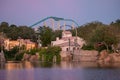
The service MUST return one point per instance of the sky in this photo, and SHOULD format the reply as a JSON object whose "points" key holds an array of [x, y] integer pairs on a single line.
{"points": [[27, 12]]}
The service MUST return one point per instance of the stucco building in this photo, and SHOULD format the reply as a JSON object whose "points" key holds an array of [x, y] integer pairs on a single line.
{"points": [[9, 44], [68, 42]]}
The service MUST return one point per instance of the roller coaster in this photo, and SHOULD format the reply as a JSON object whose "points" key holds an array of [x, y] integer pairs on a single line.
{"points": [[56, 19]]}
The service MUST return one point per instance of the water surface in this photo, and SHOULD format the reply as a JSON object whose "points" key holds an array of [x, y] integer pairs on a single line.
{"points": [[60, 71]]}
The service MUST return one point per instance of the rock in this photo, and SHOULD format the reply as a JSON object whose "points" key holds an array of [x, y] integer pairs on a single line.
{"points": [[108, 59], [26, 57], [105, 57], [103, 54], [33, 58], [116, 57]]}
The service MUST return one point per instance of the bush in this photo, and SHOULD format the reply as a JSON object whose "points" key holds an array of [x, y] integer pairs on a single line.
{"points": [[32, 51], [49, 53], [10, 55], [19, 57], [88, 47]]}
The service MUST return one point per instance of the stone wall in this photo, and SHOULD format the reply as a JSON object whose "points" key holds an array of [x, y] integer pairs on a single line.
{"points": [[65, 56], [80, 55], [85, 55]]}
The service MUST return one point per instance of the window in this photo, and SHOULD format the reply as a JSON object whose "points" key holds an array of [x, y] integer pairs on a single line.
{"points": [[73, 48], [67, 49]]}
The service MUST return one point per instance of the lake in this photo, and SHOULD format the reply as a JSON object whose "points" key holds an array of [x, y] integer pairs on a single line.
{"points": [[59, 71]]}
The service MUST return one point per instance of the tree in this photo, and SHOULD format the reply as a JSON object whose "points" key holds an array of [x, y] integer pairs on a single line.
{"points": [[27, 33], [85, 31], [13, 32], [57, 33], [4, 27], [103, 36], [46, 34]]}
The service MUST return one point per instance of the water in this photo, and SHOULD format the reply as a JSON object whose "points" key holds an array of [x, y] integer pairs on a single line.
{"points": [[62, 71]]}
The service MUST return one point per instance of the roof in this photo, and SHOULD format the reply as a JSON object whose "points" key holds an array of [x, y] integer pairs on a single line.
{"points": [[66, 38], [67, 44]]}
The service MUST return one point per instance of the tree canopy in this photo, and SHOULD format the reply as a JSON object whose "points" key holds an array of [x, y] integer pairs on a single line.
{"points": [[97, 32], [14, 32]]}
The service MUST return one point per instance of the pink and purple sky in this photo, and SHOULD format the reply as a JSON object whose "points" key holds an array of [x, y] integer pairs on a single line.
{"points": [[27, 12]]}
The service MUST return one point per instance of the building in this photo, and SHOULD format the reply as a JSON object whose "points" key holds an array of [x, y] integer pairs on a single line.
{"points": [[9, 44], [68, 42]]}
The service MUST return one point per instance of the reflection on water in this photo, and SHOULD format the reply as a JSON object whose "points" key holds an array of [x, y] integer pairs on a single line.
{"points": [[61, 65], [59, 71]]}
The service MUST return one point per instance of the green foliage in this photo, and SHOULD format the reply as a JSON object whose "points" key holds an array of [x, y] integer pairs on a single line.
{"points": [[32, 51], [85, 31], [45, 35], [104, 36], [43, 51], [13, 32], [88, 47], [57, 33], [19, 57], [10, 55], [16, 53], [49, 53], [96, 32], [4, 27], [53, 50], [98, 35], [27, 33]]}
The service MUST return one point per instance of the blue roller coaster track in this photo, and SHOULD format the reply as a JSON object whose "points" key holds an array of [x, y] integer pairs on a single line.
{"points": [[55, 18]]}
